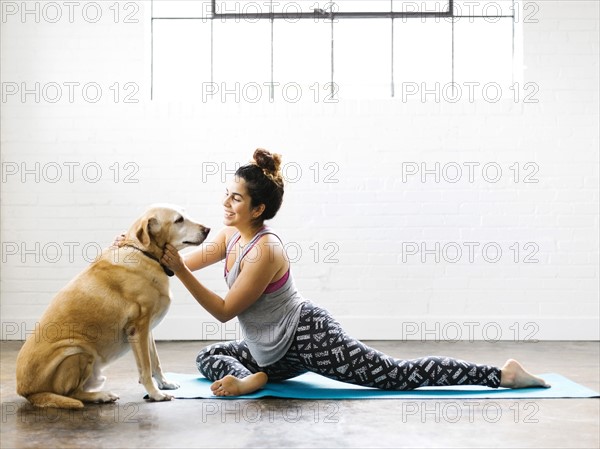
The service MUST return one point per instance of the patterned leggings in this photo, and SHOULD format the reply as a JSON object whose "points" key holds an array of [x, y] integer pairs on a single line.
{"points": [[320, 345]]}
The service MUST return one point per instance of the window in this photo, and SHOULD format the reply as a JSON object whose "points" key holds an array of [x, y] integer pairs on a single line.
{"points": [[254, 51]]}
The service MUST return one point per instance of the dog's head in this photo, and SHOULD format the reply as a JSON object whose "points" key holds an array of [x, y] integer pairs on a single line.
{"points": [[162, 224]]}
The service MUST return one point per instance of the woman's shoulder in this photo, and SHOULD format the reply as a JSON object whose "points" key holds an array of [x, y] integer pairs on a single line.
{"points": [[271, 242], [268, 234], [268, 244]]}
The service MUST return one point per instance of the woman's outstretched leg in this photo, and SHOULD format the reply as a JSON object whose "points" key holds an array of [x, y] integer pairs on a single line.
{"points": [[231, 367], [326, 349]]}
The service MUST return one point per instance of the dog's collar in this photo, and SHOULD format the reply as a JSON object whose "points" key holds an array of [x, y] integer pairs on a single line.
{"points": [[167, 271]]}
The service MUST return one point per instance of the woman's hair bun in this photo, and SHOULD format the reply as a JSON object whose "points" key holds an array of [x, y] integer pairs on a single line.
{"points": [[270, 163], [264, 182]]}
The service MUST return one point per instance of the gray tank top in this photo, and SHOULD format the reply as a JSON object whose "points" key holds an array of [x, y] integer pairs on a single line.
{"points": [[268, 325]]}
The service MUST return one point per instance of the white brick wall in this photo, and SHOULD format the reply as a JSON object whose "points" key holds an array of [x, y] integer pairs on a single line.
{"points": [[362, 222]]}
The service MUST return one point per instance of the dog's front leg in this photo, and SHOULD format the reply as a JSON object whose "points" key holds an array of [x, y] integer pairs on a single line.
{"points": [[157, 373], [138, 335]]}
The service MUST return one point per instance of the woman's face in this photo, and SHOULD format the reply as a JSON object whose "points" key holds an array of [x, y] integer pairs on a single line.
{"points": [[237, 204]]}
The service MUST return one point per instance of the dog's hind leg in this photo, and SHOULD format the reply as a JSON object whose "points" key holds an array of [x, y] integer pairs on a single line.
{"points": [[66, 378], [74, 374]]}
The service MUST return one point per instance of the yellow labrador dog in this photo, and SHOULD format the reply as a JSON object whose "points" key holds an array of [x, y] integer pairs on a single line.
{"points": [[112, 305]]}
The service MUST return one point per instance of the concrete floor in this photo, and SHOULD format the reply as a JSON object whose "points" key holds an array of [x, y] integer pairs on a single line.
{"points": [[132, 422]]}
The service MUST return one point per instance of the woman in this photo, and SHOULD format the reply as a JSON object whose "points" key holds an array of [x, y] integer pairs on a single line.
{"points": [[286, 335]]}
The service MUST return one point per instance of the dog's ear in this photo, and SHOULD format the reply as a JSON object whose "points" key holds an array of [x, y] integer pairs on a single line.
{"points": [[147, 230]]}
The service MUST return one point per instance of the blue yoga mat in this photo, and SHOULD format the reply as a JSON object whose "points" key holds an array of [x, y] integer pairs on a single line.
{"points": [[314, 386]]}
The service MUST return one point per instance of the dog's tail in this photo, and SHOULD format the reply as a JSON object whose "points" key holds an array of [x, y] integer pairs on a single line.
{"points": [[54, 400]]}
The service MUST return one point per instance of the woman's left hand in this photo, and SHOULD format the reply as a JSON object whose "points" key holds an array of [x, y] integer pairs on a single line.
{"points": [[172, 259]]}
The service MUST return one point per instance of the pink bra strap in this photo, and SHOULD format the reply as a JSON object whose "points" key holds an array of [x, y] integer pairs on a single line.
{"points": [[274, 286]]}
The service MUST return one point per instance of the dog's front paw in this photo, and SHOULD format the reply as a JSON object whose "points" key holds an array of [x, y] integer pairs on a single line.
{"points": [[166, 385], [159, 397]]}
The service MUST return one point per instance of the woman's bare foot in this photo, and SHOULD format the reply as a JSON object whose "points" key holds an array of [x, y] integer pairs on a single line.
{"points": [[513, 375], [232, 386]]}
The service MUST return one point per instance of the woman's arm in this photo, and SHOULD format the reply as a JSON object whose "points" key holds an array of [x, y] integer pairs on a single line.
{"points": [[259, 268], [209, 252]]}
